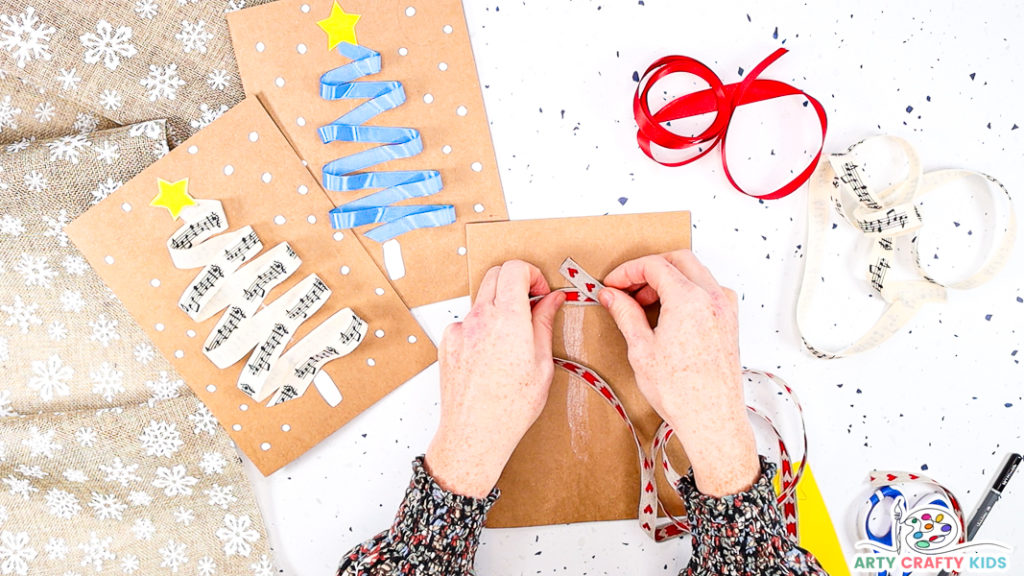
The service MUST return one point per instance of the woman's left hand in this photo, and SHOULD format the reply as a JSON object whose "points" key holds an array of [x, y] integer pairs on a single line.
{"points": [[496, 369]]}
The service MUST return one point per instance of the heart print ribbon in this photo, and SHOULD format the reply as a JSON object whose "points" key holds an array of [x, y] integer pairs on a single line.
{"points": [[584, 292]]}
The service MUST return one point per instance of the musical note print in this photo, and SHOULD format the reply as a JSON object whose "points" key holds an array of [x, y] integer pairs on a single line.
{"points": [[237, 278]]}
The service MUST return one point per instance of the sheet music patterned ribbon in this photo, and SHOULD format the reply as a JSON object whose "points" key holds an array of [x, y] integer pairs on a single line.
{"points": [[396, 143], [847, 182], [224, 282], [584, 291], [720, 99]]}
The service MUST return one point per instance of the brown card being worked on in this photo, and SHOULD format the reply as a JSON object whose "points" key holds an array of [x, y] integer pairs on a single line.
{"points": [[578, 463], [281, 54], [244, 161]]}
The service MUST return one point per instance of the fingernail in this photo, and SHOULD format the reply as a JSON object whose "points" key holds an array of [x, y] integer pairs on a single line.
{"points": [[604, 297]]}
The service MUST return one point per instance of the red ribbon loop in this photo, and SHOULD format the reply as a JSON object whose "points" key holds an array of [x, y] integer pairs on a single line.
{"points": [[718, 98]]}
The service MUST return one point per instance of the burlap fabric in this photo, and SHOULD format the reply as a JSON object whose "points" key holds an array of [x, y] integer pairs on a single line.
{"points": [[137, 490], [108, 463], [28, 113], [128, 61], [65, 342]]}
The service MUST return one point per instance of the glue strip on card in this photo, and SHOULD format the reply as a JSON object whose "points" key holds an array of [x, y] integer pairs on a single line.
{"points": [[887, 214], [270, 371], [396, 143], [722, 99], [586, 286]]}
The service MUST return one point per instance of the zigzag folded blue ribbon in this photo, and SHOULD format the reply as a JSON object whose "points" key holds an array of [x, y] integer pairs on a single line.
{"points": [[395, 143]]}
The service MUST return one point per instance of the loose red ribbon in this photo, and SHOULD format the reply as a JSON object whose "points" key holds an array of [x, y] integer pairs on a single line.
{"points": [[719, 98]]}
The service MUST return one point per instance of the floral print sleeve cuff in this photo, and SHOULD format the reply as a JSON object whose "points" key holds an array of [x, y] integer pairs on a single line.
{"points": [[435, 532], [742, 534]]}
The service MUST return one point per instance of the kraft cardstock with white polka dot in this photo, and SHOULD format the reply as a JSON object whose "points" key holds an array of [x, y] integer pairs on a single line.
{"points": [[282, 52], [244, 161]]}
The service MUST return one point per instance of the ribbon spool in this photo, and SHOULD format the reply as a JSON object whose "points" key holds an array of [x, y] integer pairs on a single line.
{"points": [[720, 99], [584, 287], [397, 143], [888, 493], [887, 214]]}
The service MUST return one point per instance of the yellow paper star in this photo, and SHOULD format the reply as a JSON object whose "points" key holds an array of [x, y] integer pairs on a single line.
{"points": [[339, 26], [173, 196]]}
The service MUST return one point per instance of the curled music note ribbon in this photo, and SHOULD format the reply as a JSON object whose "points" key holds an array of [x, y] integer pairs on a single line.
{"points": [[396, 143], [720, 99], [852, 184]]}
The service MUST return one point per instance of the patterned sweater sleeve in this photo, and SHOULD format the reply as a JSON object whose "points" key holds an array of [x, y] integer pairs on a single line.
{"points": [[435, 532], [742, 534]]}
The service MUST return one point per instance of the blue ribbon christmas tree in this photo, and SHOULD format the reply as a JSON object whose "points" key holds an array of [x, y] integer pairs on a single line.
{"points": [[341, 174]]}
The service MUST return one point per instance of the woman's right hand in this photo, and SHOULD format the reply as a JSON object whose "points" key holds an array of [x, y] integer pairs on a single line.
{"points": [[688, 367]]}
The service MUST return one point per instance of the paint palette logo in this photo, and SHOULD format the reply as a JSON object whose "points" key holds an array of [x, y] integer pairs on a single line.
{"points": [[931, 529]]}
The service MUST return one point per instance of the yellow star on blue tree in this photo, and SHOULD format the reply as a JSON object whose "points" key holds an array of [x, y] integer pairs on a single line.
{"points": [[173, 196], [339, 26]]}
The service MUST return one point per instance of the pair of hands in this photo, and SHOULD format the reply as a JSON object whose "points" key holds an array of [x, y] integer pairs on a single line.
{"points": [[496, 369]]}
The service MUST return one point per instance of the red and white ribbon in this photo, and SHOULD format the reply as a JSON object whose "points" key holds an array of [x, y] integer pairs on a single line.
{"points": [[586, 288]]}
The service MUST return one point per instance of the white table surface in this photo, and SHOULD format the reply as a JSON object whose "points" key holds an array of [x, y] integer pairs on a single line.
{"points": [[945, 394]]}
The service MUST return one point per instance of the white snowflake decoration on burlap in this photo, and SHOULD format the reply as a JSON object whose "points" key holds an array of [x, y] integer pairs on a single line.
{"points": [[51, 378], [193, 36], [25, 36], [162, 82], [237, 535], [108, 44], [160, 439]]}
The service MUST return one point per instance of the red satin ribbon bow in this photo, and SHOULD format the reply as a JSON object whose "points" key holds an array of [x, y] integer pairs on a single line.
{"points": [[719, 98]]}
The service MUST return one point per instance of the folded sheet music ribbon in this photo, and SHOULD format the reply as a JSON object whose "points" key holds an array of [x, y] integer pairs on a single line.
{"points": [[270, 372], [584, 292]]}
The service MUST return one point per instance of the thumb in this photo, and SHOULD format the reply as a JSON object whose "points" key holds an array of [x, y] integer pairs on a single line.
{"points": [[543, 319], [628, 316]]}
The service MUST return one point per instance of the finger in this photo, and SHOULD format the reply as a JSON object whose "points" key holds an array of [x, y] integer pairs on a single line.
{"points": [[732, 297], [690, 266], [516, 281], [543, 320], [628, 316], [485, 293], [654, 271], [646, 296], [452, 333]]}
